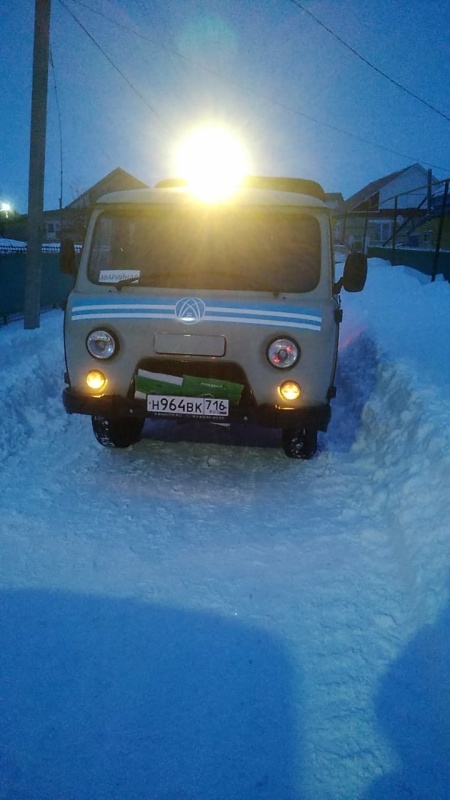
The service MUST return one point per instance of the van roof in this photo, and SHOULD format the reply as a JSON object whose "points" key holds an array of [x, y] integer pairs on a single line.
{"points": [[297, 185], [180, 195]]}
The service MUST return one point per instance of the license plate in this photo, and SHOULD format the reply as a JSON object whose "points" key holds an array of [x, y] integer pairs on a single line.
{"points": [[187, 406]]}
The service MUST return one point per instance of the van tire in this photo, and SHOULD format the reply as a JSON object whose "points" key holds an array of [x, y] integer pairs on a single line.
{"points": [[121, 432], [300, 442]]}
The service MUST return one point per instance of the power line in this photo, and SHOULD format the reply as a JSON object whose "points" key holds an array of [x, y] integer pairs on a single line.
{"points": [[122, 75], [369, 63], [240, 86], [58, 112]]}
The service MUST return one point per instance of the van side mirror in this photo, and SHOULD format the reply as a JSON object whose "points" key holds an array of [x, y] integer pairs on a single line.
{"points": [[355, 274], [67, 260]]}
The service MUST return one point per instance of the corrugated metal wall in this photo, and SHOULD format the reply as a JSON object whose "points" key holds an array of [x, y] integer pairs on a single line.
{"points": [[422, 260], [54, 288]]}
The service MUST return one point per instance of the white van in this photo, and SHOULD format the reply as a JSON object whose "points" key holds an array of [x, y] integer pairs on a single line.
{"points": [[220, 312]]}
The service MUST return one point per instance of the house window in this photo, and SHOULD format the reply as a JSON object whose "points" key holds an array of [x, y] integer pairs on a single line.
{"points": [[52, 229], [382, 231]]}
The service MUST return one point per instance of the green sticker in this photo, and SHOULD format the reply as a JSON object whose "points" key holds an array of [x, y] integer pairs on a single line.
{"points": [[211, 387], [157, 385]]}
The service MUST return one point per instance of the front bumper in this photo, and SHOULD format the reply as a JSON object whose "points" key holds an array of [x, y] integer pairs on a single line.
{"points": [[114, 406]]}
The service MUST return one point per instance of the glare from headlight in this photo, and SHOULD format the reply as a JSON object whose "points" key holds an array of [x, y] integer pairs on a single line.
{"points": [[101, 344], [95, 380], [283, 353], [290, 390]]}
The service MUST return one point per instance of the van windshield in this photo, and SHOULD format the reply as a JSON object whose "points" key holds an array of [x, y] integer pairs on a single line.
{"points": [[244, 249]]}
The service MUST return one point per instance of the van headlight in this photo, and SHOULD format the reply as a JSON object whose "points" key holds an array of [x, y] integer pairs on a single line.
{"points": [[283, 353], [101, 344]]}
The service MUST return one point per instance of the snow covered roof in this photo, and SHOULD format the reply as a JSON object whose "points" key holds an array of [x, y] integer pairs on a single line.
{"points": [[14, 246]]}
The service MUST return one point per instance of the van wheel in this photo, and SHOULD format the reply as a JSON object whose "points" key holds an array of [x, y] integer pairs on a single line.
{"points": [[300, 442], [121, 432]]}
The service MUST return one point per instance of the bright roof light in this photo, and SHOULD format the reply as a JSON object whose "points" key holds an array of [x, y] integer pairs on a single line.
{"points": [[212, 162]]}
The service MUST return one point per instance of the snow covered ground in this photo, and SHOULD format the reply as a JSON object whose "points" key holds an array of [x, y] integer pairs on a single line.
{"points": [[200, 618]]}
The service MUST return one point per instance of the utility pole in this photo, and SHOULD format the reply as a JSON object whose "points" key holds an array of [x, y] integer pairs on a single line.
{"points": [[37, 163]]}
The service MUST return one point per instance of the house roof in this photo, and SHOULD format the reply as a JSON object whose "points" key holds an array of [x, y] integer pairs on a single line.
{"points": [[335, 201], [371, 189], [116, 180]]}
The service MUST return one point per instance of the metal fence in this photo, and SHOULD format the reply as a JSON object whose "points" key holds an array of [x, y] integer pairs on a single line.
{"points": [[403, 231], [54, 288]]}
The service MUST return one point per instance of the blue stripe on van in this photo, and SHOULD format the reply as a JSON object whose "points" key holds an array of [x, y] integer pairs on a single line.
{"points": [[268, 314]]}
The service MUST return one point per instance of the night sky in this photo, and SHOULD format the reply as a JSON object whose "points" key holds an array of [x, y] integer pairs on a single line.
{"points": [[129, 78]]}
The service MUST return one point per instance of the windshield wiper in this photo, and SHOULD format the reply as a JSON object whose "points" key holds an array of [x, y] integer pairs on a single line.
{"points": [[124, 282]]}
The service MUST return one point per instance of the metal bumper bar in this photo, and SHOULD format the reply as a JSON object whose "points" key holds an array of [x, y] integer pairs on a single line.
{"points": [[114, 406]]}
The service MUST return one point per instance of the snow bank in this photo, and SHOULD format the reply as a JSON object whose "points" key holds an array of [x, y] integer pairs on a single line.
{"points": [[408, 316], [394, 371], [31, 369]]}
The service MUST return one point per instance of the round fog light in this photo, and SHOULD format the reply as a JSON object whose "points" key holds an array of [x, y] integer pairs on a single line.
{"points": [[290, 390], [95, 379]]}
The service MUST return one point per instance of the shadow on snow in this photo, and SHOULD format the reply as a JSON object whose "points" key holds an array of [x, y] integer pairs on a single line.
{"points": [[111, 698], [413, 710]]}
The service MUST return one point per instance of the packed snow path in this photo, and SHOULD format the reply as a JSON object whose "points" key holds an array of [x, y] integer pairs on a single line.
{"points": [[200, 618]]}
